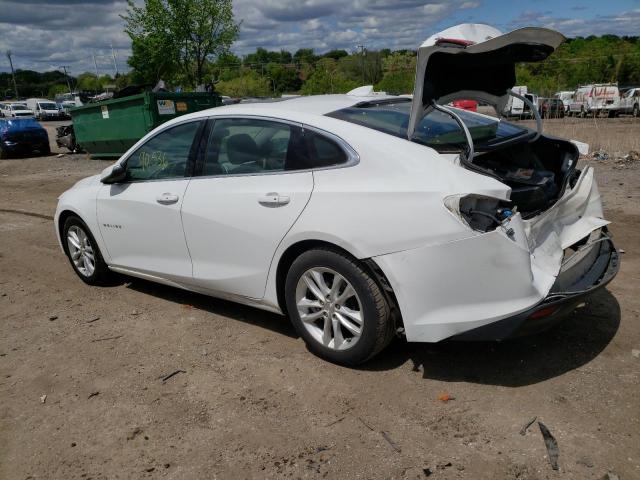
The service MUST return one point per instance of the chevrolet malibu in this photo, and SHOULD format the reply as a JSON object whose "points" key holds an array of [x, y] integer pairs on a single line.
{"points": [[361, 216]]}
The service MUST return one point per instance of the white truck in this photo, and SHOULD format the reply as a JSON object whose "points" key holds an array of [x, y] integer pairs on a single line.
{"points": [[630, 102], [43, 109]]}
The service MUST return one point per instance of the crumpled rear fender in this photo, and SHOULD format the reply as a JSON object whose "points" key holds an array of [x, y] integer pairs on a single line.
{"points": [[450, 288]]}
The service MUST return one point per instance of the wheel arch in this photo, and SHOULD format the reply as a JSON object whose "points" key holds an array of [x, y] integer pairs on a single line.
{"points": [[294, 250], [62, 218]]}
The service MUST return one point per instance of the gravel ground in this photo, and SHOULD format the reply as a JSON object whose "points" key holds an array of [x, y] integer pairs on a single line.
{"points": [[82, 395]]}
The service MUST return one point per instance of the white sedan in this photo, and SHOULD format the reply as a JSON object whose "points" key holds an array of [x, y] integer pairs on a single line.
{"points": [[360, 216]]}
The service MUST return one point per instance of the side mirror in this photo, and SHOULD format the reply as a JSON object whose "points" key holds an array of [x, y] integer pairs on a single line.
{"points": [[116, 174]]}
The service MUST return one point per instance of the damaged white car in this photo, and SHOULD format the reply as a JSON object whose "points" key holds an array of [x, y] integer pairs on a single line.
{"points": [[361, 216]]}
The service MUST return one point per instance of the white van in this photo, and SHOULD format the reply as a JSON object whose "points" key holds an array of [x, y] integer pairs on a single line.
{"points": [[605, 98], [596, 99], [515, 106], [580, 103], [43, 109]]}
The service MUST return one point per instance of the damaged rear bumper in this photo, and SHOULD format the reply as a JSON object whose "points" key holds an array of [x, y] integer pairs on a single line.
{"points": [[514, 280], [573, 284]]}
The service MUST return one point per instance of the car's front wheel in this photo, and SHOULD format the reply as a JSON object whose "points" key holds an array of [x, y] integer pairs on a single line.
{"points": [[83, 252], [337, 307]]}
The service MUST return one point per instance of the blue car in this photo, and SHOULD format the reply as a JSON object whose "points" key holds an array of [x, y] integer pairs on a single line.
{"points": [[20, 136]]}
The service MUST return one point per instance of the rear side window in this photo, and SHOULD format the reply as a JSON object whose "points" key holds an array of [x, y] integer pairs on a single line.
{"points": [[324, 152], [253, 146], [248, 146]]}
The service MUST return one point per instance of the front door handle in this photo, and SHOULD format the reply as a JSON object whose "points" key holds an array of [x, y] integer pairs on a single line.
{"points": [[167, 198], [273, 199]]}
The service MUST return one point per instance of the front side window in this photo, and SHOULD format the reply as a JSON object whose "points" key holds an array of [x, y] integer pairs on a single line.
{"points": [[164, 156]]}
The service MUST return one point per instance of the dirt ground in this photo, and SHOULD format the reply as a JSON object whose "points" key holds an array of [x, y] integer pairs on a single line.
{"points": [[82, 395]]}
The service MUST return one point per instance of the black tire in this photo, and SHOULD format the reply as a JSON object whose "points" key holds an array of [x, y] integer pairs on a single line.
{"points": [[3, 154], [101, 274], [636, 111], [378, 328]]}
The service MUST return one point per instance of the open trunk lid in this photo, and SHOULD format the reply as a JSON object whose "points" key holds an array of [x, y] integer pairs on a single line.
{"points": [[474, 61]]}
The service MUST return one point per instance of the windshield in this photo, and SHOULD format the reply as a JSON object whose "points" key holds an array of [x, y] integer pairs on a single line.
{"points": [[437, 129], [48, 106], [18, 106]]}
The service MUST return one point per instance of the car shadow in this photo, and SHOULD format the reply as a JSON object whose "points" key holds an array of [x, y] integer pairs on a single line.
{"points": [[253, 316], [517, 362]]}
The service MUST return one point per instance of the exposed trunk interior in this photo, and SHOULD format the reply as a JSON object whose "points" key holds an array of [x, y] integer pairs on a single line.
{"points": [[537, 172]]}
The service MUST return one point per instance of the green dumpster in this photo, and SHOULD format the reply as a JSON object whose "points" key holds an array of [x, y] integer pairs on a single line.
{"points": [[108, 129]]}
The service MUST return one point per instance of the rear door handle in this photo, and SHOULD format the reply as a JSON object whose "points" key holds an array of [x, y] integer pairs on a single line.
{"points": [[273, 199], [167, 198]]}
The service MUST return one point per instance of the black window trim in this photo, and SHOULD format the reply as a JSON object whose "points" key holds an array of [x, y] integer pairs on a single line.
{"points": [[191, 159], [352, 156]]}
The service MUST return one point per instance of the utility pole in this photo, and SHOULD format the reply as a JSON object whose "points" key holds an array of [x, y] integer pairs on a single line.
{"points": [[95, 64], [115, 62], [13, 74], [361, 47], [66, 76]]}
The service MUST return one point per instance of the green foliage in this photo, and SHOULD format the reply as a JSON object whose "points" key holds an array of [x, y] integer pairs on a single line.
{"points": [[248, 84], [30, 83], [56, 89], [175, 38], [305, 55], [399, 73], [328, 78], [285, 78], [87, 81]]}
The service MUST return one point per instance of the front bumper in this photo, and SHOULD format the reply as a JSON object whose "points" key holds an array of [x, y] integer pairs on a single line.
{"points": [[584, 277], [24, 148]]}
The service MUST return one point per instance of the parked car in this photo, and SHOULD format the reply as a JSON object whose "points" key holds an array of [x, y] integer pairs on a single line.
{"points": [[19, 136], [550, 108], [630, 102], [14, 110], [566, 97], [360, 216], [43, 109]]}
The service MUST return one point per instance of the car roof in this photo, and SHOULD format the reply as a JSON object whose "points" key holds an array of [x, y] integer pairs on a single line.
{"points": [[312, 104]]}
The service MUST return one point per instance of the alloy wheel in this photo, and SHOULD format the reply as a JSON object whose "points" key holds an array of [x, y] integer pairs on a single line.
{"points": [[329, 308], [81, 251]]}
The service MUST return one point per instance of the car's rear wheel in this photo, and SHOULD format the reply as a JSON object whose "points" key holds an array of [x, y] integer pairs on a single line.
{"points": [[83, 252], [337, 307], [636, 111]]}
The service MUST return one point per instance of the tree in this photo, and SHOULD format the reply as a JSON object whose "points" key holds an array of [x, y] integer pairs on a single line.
{"points": [[179, 35], [87, 81], [305, 55], [399, 73], [57, 89], [327, 78], [248, 84]]}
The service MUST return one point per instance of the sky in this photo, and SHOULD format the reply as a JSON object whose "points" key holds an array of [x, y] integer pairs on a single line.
{"points": [[44, 35]]}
